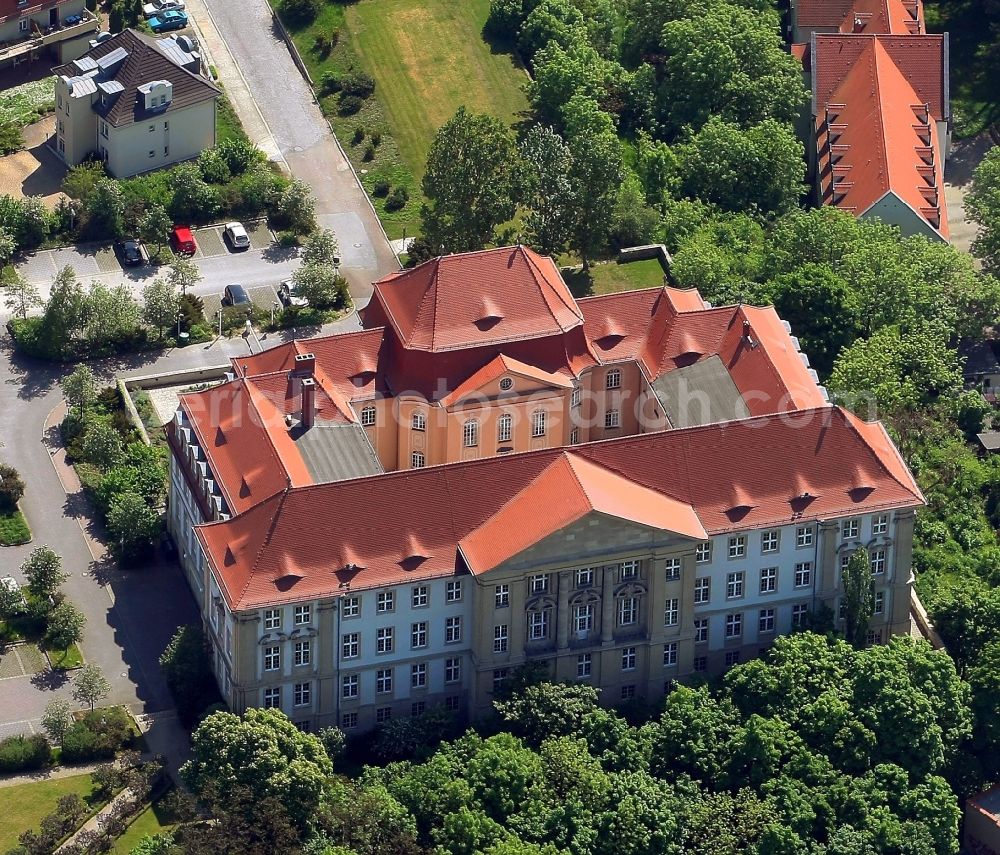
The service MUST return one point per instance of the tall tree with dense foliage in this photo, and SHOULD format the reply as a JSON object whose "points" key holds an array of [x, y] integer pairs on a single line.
{"points": [[859, 597], [160, 304], [79, 388], [470, 183], [90, 686], [20, 296], [43, 572], [548, 195], [982, 202]]}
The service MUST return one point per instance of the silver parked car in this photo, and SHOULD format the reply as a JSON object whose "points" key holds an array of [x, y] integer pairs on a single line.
{"points": [[155, 7], [237, 236]]}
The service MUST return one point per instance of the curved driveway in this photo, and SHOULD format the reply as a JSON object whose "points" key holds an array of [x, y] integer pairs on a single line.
{"points": [[304, 138]]}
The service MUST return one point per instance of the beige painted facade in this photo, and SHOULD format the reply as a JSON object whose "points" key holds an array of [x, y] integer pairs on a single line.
{"points": [[40, 29]]}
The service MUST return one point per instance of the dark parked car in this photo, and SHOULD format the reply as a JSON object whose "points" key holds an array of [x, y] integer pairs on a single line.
{"points": [[235, 295], [133, 253]]}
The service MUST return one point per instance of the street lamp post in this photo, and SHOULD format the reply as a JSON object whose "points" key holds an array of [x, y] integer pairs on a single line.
{"points": [[219, 313], [274, 305], [180, 317]]}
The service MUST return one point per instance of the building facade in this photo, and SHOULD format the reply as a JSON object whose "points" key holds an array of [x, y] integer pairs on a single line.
{"points": [[51, 28], [346, 582]]}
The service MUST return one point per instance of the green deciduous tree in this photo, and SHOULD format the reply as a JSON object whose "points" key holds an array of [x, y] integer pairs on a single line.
{"points": [[20, 296], [111, 313], [65, 311], [102, 445], [11, 487], [193, 198], [105, 206], [65, 626], [318, 284], [295, 208], [983, 205], [859, 597], [43, 572], [160, 304], [320, 247], [548, 192], [183, 273], [154, 227], [8, 246], [79, 388], [57, 719], [132, 523], [90, 686], [470, 182]]}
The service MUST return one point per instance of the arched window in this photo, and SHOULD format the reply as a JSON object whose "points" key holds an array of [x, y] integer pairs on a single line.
{"points": [[538, 423], [417, 460], [505, 426], [419, 421], [368, 416], [470, 433], [614, 379]]}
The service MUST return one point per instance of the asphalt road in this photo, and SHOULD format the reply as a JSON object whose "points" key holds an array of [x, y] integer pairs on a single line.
{"points": [[304, 138]]}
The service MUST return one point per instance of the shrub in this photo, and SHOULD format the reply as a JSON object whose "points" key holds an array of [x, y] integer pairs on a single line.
{"points": [[193, 309], [349, 104], [321, 45], [359, 134], [369, 153], [23, 753], [329, 83], [300, 11], [11, 487], [358, 83], [381, 188], [397, 199], [11, 139], [376, 138], [185, 667], [213, 166], [240, 154], [97, 736], [288, 239]]}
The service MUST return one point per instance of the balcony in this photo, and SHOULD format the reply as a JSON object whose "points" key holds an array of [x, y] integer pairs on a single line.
{"points": [[41, 37]]}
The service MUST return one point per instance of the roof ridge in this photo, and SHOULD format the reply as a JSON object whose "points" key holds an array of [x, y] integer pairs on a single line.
{"points": [[852, 420], [270, 440], [281, 496], [536, 269]]}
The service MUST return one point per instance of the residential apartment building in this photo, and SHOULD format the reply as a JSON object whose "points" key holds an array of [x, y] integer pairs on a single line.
{"points": [[50, 28], [138, 103], [880, 119], [346, 582]]}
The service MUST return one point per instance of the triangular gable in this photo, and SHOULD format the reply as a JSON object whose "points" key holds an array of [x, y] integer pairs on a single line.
{"points": [[497, 368]]}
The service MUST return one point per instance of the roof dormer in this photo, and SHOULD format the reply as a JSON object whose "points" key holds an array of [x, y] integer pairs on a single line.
{"points": [[157, 94]]}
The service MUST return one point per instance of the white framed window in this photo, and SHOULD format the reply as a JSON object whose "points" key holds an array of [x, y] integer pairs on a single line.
{"points": [[418, 460], [418, 635], [470, 433], [500, 638], [768, 580], [419, 597], [453, 591], [452, 630], [351, 606], [734, 625], [302, 653], [538, 624], [672, 569], [453, 670], [104, 125], [738, 546], [852, 529], [628, 659], [671, 612], [417, 708], [575, 396], [538, 423], [732, 658], [383, 714], [670, 654], [383, 681], [350, 645], [368, 416], [799, 613], [702, 590], [628, 611], [770, 540], [499, 676], [765, 621], [628, 570], [879, 607], [845, 559], [877, 559], [803, 536], [501, 596], [627, 693], [700, 663], [385, 602], [574, 436], [874, 636], [418, 422], [703, 552], [585, 577], [349, 720], [349, 686], [880, 524], [539, 584], [701, 631], [272, 698], [302, 694], [303, 615], [734, 585], [272, 658], [384, 639], [505, 428], [803, 574], [613, 379], [272, 619], [583, 618], [612, 419], [584, 664]]}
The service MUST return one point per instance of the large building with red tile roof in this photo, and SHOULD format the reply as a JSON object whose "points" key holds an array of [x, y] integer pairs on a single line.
{"points": [[881, 116], [642, 488]]}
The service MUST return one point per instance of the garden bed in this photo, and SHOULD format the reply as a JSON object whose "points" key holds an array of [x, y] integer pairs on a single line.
{"points": [[14, 529]]}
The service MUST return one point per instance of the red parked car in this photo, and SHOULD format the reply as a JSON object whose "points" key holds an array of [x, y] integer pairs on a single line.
{"points": [[182, 240]]}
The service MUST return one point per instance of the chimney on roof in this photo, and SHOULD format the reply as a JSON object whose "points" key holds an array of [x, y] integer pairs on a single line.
{"points": [[305, 364], [308, 402], [859, 23]]}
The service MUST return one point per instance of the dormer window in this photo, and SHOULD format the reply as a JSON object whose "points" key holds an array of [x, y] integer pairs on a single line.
{"points": [[157, 94]]}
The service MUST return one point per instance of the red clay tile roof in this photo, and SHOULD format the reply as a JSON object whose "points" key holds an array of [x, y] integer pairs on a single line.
{"points": [[475, 299], [496, 368], [883, 16], [881, 143], [566, 491], [388, 529]]}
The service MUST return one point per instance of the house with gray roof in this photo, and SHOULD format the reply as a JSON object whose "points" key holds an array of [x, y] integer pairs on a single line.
{"points": [[136, 102]]}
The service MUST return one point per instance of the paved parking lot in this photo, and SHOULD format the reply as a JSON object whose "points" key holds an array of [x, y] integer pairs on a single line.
{"points": [[21, 660], [211, 243]]}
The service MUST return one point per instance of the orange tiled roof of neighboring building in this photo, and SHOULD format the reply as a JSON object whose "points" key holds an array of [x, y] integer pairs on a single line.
{"points": [[882, 16], [873, 133], [476, 298], [314, 541]]}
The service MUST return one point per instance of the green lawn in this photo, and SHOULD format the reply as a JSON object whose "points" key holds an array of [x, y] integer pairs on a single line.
{"points": [[26, 804], [23, 104], [428, 58], [153, 820], [609, 277], [13, 528], [227, 123], [63, 660]]}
